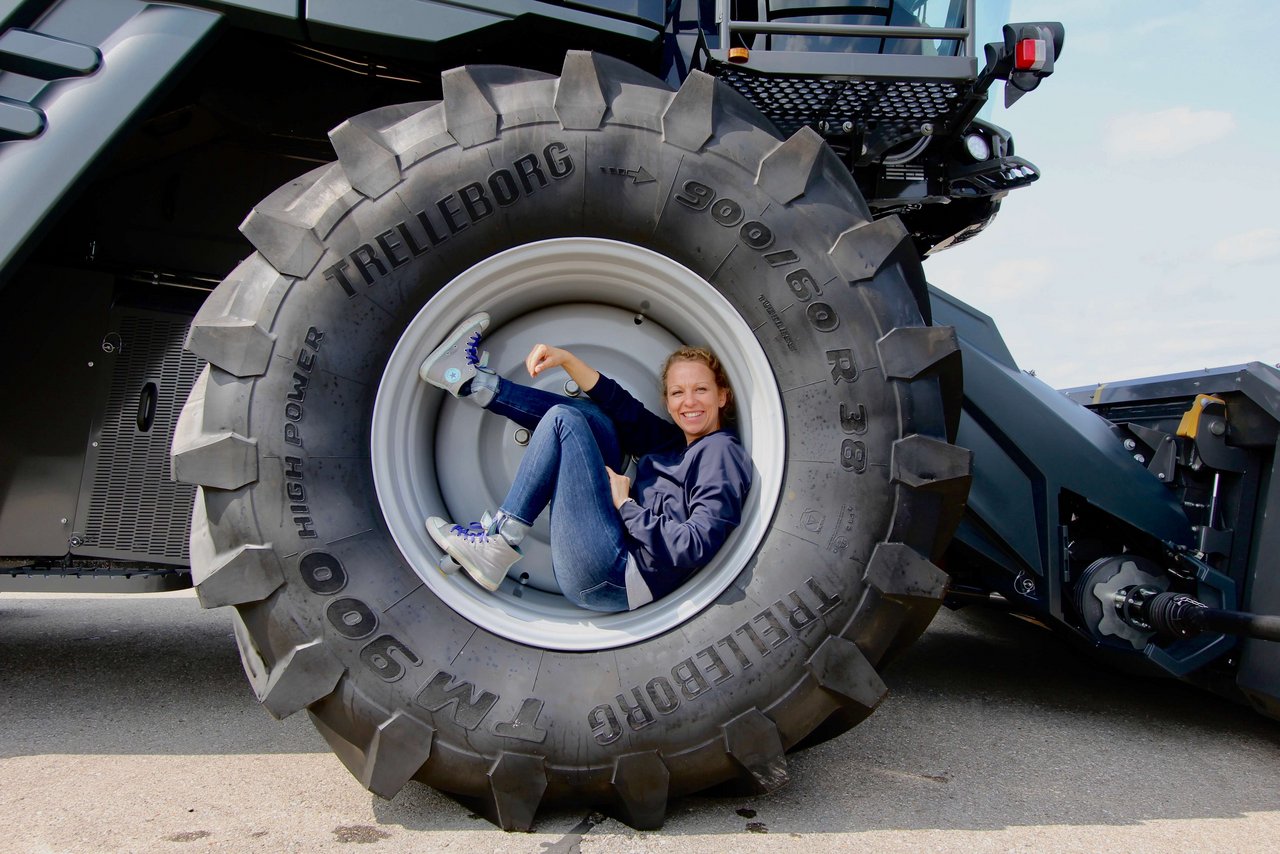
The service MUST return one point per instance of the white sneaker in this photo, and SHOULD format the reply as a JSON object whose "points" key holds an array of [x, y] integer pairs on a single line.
{"points": [[483, 556], [454, 362]]}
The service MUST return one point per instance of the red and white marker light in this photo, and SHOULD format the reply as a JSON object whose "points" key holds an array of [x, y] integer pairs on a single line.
{"points": [[1031, 55]]}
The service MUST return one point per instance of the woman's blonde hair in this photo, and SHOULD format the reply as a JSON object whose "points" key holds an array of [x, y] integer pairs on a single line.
{"points": [[706, 357]]}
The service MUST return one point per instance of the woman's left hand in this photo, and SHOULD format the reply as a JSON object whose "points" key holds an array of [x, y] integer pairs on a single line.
{"points": [[620, 486]]}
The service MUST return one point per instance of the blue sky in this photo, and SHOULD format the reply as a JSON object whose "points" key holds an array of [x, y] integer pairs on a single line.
{"points": [[1152, 243]]}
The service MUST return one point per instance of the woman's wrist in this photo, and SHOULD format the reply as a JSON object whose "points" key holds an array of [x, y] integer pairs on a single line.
{"points": [[583, 374]]}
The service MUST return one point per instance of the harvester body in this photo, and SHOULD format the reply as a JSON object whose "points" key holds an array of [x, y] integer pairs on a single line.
{"points": [[136, 134]]}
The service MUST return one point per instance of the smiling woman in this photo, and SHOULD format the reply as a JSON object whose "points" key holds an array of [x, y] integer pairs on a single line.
{"points": [[697, 391], [614, 546]]}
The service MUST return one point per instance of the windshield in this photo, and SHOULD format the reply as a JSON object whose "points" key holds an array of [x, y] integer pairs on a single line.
{"points": [[991, 16], [897, 13]]}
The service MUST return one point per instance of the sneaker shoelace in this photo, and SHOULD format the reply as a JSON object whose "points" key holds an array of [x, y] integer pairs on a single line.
{"points": [[473, 533], [472, 350]]}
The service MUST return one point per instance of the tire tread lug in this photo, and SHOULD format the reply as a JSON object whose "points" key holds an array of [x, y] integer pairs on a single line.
{"points": [[305, 674], [231, 329], [752, 740], [689, 120], [289, 226], [580, 101], [910, 352], [367, 147], [517, 782], [469, 117], [786, 172], [936, 476], [900, 572], [251, 573], [921, 462], [222, 459], [640, 784], [840, 667], [860, 252], [399, 747]]}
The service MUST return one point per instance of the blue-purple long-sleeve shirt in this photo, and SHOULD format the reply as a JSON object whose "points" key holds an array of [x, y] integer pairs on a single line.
{"points": [[687, 498]]}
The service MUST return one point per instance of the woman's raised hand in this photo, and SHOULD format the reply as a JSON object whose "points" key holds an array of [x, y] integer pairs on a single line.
{"points": [[544, 356]]}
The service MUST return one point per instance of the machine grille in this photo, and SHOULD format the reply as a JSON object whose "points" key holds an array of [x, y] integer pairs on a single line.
{"points": [[135, 510], [795, 102]]}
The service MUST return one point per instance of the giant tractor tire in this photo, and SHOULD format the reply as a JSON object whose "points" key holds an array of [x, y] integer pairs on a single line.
{"points": [[601, 211]]}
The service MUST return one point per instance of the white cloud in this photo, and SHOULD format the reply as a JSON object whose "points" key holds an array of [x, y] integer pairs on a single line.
{"points": [[1165, 133], [1261, 244]]}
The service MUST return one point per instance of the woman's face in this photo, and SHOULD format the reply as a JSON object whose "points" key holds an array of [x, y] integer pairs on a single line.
{"points": [[694, 400]]}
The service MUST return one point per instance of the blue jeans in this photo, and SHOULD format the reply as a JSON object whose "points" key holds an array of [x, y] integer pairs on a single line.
{"points": [[563, 466]]}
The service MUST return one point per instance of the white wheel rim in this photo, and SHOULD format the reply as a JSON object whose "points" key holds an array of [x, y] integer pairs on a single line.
{"points": [[561, 280]]}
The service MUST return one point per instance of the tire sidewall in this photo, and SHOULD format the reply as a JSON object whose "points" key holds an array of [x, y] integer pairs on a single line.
{"points": [[403, 648]]}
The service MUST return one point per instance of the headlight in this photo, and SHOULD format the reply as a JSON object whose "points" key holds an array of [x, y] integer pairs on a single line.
{"points": [[977, 146]]}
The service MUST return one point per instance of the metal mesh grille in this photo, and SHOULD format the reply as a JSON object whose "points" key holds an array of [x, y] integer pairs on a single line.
{"points": [[134, 507], [794, 102]]}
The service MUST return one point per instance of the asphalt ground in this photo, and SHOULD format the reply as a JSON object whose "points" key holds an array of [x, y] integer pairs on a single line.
{"points": [[129, 727]]}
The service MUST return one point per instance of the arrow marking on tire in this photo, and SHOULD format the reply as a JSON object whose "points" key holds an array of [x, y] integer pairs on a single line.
{"points": [[637, 176]]}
